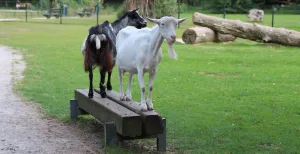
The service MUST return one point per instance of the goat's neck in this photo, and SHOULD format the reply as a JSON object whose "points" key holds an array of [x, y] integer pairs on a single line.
{"points": [[156, 40], [119, 24]]}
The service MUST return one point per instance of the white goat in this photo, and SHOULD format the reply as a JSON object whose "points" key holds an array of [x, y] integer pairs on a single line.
{"points": [[138, 51]]}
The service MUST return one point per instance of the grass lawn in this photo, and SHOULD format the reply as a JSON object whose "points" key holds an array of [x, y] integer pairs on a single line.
{"points": [[240, 97]]}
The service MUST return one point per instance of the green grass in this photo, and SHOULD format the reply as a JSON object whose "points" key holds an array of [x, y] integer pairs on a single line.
{"points": [[241, 97]]}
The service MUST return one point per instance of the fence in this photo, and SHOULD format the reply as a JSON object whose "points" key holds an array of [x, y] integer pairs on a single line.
{"points": [[61, 13], [71, 12], [225, 9]]}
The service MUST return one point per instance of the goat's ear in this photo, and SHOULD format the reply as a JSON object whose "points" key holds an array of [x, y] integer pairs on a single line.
{"points": [[136, 9], [180, 20], [153, 20]]}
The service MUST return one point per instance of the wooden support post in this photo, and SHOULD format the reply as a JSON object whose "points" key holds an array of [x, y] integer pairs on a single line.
{"points": [[162, 138], [26, 14], [60, 12], [97, 11], [110, 133], [74, 109]]}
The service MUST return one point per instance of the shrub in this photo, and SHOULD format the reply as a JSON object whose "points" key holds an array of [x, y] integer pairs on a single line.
{"points": [[165, 8], [159, 9]]}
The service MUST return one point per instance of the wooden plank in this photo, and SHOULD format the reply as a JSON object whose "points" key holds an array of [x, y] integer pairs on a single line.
{"points": [[127, 122], [152, 121]]}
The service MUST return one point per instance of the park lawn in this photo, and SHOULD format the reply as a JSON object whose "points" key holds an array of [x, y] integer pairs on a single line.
{"points": [[240, 97]]}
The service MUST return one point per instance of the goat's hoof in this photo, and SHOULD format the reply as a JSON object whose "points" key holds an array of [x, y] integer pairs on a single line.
{"points": [[103, 94], [127, 98], [143, 107], [122, 98], [102, 88], [150, 108], [109, 87], [149, 105], [91, 95]]}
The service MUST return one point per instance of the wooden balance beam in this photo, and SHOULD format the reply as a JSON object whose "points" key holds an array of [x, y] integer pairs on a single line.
{"points": [[122, 120]]}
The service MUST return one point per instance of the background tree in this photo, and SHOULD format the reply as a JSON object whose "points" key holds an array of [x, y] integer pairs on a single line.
{"points": [[151, 8]]}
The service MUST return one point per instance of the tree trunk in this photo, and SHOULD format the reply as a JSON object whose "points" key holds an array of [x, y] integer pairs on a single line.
{"points": [[50, 4], [249, 31], [197, 35], [225, 37], [146, 7]]}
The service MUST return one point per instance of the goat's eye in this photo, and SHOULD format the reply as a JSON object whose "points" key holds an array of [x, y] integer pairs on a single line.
{"points": [[162, 24]]}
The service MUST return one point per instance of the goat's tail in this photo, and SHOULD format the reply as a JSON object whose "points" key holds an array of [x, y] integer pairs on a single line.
{"points": [[97, 39]]}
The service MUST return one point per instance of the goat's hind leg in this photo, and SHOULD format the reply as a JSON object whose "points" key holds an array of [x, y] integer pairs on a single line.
{"points": [[122, 96], [108, 84], [102, 80], [91, 93], [128, 96]]}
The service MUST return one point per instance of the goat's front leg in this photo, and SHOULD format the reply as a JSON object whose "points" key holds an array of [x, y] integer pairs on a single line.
{"points": [[128, 96], [152, 75], [102, 80], [122, 96], [143, 89], [91, 93]]}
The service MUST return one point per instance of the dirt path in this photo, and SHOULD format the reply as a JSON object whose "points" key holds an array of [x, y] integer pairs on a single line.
{"points": [[22, 126]]}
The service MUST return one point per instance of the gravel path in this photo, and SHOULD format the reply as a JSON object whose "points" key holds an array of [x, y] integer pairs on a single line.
{"points": [[22, 126]]}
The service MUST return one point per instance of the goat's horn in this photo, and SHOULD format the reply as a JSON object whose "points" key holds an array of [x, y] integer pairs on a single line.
{"points": [[153, 20], [181, 20]]}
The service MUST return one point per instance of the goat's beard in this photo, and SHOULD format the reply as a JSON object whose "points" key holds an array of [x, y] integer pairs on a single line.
{"points": [[171, 51]]}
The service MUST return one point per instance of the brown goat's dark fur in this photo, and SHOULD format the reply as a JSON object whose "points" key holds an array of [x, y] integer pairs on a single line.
{"points": [[102, 58]]}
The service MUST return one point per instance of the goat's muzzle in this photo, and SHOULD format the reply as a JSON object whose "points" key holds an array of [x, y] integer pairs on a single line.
{"points": [[171, 39], [142, 25]]}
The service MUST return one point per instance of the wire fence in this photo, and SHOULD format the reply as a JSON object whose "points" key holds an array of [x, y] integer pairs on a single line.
{"points": [[70, 12], [60, 13]]}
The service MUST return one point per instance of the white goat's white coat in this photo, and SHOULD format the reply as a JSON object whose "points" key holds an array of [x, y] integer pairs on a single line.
{"points": [[138, 51]]}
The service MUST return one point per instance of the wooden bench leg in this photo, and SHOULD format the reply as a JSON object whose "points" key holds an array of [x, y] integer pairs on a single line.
{"points": [[110, 133], [74, 109], [162, 138]]}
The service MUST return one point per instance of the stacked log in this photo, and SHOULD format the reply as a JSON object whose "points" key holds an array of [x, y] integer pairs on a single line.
{"points": [[197, 35], [249, 31]]}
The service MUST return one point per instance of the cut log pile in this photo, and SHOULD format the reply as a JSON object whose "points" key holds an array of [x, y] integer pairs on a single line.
{"points": [[249, 31]]}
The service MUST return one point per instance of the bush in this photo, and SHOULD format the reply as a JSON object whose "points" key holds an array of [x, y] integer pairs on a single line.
{"points": [[184, 7], [121, 10], [165, 8], [159, 9]]}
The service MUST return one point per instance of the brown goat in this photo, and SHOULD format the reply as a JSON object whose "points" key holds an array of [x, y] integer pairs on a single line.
{"points": [[102, 58]]}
